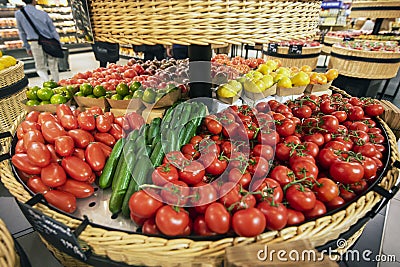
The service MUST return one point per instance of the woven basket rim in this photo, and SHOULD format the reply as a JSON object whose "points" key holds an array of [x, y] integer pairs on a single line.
{"points": [[12, 68], [363, 53], [374, 3]]}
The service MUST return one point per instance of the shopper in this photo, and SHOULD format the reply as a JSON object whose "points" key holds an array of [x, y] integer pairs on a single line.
{"points": [[368, 25], [45, 26], [106, 52], [151, 51], [178, 51]]}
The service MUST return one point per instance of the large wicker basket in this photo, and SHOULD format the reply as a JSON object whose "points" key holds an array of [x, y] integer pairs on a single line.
{"points": [[309, 56], [375, 9], [203, 22], [138, 249], [364, 64], [12, 75], [8, 256]]}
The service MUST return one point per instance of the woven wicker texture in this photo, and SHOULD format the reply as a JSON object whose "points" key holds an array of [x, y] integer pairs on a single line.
{"points": [[298, 62], [142, 250], [8, 257], [10, 108], [360, 69], [11, 75], [332, 40], [203, 22], [370, 9]]}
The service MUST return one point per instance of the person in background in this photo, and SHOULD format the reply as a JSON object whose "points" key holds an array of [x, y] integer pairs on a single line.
{"points": [[151, 51], [45, 26], [105, 52], [178, 51], [368, 25]]}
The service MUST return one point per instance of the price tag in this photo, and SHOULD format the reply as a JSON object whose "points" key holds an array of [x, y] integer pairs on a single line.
{"points": [[348, 39], [272, 48], [56, 233], [295, 49]]}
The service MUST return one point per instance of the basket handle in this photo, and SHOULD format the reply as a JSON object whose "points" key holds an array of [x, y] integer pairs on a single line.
{"points": [[7, 155], [386, 194]]}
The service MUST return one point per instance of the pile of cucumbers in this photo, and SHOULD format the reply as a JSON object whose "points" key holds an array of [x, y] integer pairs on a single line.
{"points": [[134, 157]]}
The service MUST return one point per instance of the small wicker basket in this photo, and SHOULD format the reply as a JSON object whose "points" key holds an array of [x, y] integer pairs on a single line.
{"points": [[12, 75], [375, 9], [309, 56], [364, 64], [8, 256]]}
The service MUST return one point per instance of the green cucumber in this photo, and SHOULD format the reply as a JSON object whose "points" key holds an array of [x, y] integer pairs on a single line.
{"points": [[107, 175], [157, 155], [188, 133], [139, 176]]}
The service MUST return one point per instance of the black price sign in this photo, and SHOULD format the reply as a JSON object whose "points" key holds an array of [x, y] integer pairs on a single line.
{"points": [[295, 49], [348, 39], [57, 234], [272, 48]]}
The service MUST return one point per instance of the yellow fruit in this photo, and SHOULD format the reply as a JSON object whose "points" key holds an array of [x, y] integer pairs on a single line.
{"points": [[257, 75], [285, 82], [278, 77], [8, 61], [332, 74], [226, 91], [314, 78], [283, 71], [264, 69], [254, 86], [268, 80], [322, 79], [2, 66], [300, 79], [272, 64], [306, 68], [1, 53]]}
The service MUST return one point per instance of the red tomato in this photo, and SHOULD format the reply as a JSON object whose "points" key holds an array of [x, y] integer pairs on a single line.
{"points": [[270, 191], [358, 125], [36, 184], [377, 138], [63, 110], [103, 124], [318, 210], [38, 154], [192, 173], [95, 110], [200, 227], [285, 127], [53, 175], [105, 138], [335, 203], [367, 149], [116, 131], [276, 215], [32, 136], [164, 173], [106, 149], [87, 121], [217, 166], [264, 151], [268, 137], [46, 116], [229, 194], [248, 222], [22, 163], [172, 221], [316, 138], [258, 167], [78, 189], [95, 157], [302, 112], [303, 168], [80, 153], [326, 107], [218, 218], [236, 176], [294, 217], [19, 147], [346, 194], [340, 115], [64, 146], [69, 122], [300, 198], [356, 113], [214, 126], [370, 168], [346, 172], [32, 116], [326, 189], [150, 227], [175, 193], [76, 168], [81, 137], [282, 152], [142, 205], [282, 174], [176, 158], [51, 130], [62, 200], [374, 110], [54, 157], [195, 140], [336, 145], [327, 157], [330, 123], [311, 148]]}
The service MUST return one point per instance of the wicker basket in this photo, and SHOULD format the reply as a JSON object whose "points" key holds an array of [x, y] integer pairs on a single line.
{"points": [[12, 75], [154, 251], [364, 64], [8, 256], [202, 22], [11, 107], [309, 56], [375, 9]]}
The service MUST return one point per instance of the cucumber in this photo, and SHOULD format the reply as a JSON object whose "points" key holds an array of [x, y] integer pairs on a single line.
{"points": [[175, 116], [139, 175], [122, 181], [186, 113], [156, 140], [154, 130], [133, 135], [157, 155], [107, 175], [149, 149], [127, 149], [188, 133], [201, 111]]}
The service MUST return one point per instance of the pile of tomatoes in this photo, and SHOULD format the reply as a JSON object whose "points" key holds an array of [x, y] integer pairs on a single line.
{"points": [[59, 155], [255, 169]]}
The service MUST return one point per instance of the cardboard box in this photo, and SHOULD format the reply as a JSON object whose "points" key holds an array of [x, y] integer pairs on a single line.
{"points": [[150, 113], [134, 103], [167, 100], [122, 111], [264, 94], [91, 102], [280, 91], [230, 100], [312, 88], [43, 108]]}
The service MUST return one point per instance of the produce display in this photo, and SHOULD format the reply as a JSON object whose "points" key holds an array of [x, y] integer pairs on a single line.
{"points": [[50, 93], [60, 155], [302, 43], [371, 46], [344, 34]]}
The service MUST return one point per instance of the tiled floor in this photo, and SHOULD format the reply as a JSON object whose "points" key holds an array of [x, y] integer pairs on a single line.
{"points": [[39, 256]]}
